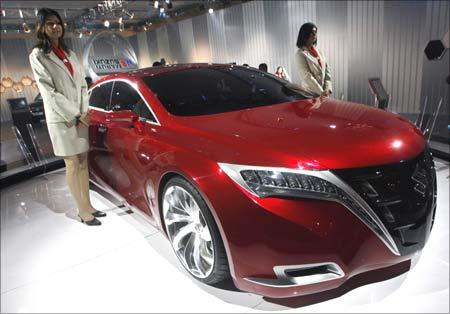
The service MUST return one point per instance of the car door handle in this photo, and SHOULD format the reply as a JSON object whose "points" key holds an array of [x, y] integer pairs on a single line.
{"points": [[102, 128]]}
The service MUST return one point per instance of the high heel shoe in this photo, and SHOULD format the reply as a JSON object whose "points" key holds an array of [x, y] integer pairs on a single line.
{"points": [[98, 214], [93, 222]]}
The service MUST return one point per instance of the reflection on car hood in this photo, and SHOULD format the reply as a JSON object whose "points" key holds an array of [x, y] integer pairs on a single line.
{"points": [[310, 133]]}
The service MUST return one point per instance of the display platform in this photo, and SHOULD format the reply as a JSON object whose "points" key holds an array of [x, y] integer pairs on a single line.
{"points": [[50, 262]]}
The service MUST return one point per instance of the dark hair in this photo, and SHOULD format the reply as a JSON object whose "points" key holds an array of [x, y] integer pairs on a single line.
{"points": [[304, 33], [43, 41], [263, 67], [157, 64]]}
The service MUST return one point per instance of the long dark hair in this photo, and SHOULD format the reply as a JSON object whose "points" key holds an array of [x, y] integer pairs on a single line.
{"points": [[43, 41], [304, 33]]}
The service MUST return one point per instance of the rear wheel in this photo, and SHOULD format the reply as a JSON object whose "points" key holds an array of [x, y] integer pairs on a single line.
{"points": [[193, 232]]}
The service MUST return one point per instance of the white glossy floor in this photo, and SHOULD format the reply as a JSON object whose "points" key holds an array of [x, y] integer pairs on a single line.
{"points": [[50, 262]]}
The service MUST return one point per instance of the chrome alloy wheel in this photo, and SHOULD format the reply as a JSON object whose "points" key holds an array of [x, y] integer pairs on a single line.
{"points": [[188, 231]]}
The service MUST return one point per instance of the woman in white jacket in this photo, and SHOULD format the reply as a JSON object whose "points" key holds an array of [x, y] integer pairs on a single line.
{"points": [[312, 67], [61, 82]]}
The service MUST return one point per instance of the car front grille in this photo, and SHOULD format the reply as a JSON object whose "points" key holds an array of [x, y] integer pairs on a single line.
{"points": [[402, 195]]}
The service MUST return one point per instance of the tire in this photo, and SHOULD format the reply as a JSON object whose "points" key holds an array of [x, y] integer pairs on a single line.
{"points": [[192, 232]]}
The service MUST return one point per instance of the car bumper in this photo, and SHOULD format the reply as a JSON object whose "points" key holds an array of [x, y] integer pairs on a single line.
{"points": [[289, 247]]}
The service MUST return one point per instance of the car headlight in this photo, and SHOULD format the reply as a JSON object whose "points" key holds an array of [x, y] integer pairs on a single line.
{"points": [[284, 182]]}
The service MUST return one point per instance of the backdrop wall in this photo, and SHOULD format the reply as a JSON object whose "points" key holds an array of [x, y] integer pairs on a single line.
{"points": [[360, 39]]}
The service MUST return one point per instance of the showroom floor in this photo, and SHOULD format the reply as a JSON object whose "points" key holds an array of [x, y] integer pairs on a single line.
{"points": [[50, 262]]}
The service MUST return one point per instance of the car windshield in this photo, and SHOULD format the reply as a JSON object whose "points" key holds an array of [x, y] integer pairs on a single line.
{"points": [[38, 97], [202, 91]]}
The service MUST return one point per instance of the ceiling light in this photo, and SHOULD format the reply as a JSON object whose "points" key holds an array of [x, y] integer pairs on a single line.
{"points": [[35, 12], [156, 4], [106, 23], [21, 13], [211, 10], [3, 12], [120, 20]]}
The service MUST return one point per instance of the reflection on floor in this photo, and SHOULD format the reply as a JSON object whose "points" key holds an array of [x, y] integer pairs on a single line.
{"points": [[50, 262]]}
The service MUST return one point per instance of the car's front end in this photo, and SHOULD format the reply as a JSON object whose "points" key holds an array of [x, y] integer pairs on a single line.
{"points": [[294, 225], [301, 232]]}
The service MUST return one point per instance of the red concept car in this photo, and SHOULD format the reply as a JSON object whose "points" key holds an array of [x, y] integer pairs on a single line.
{"points": [[250, 177]]}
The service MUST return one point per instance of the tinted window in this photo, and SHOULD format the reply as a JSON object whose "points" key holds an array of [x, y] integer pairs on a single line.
{"points": [[124, 96], [201, 91], [142, 111], [100, 96]]}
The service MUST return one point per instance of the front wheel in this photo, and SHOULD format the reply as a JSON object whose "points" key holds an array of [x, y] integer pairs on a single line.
{"points": [[193, 232]]}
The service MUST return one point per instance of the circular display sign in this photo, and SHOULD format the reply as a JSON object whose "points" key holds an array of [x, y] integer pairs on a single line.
{"points": [[107, 53]]}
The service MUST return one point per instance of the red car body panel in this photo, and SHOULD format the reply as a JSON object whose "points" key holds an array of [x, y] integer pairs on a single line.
{"points": [[258, 233]]}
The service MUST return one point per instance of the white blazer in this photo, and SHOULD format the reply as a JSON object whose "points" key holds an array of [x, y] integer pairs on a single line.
{"points": [[64, 96], [313, 77]]}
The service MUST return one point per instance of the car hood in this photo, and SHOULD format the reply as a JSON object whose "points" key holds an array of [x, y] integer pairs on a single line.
{"points": [[308, 134]]}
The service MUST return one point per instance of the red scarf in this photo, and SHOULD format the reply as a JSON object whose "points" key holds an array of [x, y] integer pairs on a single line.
{"points": [[315, 54], [59, 52]]}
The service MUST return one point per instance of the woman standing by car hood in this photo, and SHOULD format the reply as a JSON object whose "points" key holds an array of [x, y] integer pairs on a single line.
{"points": [[311, 65]]}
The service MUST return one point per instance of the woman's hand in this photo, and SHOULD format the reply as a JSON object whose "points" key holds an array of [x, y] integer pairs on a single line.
{"points": [[325, 93], [85, 119]]}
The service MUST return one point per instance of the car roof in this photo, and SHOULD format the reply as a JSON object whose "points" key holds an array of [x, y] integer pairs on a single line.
{"points": [[151, 71], [175, 67]]}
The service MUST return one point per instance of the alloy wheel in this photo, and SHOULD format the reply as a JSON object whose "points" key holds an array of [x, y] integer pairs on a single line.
{"points": [[188, 231]]}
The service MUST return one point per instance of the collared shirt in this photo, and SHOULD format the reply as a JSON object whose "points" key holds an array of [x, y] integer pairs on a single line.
{"points": [[59, 52]]}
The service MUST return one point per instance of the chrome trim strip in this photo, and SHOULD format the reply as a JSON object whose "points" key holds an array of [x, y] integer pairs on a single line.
{"points": [[134, 87], [233, 171], [284, 280]]}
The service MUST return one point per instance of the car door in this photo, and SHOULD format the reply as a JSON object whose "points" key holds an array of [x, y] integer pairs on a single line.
{"points": [[99, 155], [125, 138]]}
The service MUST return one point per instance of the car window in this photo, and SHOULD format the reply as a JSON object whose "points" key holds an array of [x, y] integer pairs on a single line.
{"points": [[100, 96], [124, 97], [38, 97], [200, 91], [143, 111]]}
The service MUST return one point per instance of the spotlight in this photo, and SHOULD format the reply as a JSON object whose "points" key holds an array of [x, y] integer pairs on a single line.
{"points": [[35, 12], [211, 10], [3, 13], [20, 13], [130, 15], [106, 23], [156, 4], [25, 27]]}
